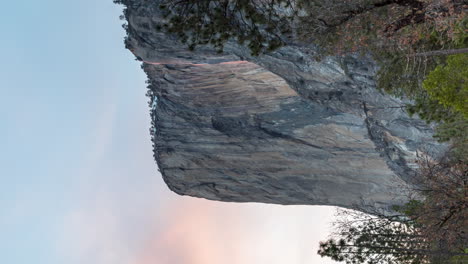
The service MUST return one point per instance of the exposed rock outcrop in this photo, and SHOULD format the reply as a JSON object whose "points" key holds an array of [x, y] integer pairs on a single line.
{"points": [[279, 128]]}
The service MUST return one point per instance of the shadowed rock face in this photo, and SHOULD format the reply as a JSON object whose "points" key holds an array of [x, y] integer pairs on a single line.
{"points": [[280, 128]]}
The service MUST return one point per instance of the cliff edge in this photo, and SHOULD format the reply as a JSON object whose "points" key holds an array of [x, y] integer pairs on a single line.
{"points": [[279, 128]]}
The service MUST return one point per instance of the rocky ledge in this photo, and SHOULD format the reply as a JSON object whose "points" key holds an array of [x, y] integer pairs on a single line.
{"points": [[280, 128]]}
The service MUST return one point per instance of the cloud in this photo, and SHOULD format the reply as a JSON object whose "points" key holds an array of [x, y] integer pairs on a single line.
{"points": [[194, 231], [197, 231], [125, 215], [98, 232]]}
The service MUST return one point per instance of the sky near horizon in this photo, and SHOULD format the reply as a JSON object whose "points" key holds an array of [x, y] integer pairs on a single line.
{"points": [[78, 183]]}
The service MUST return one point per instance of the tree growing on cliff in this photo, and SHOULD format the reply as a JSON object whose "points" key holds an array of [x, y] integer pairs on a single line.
{"points": [[430, 230], [435, 80], [382, 24], [383, 240], [448, 84], [443, 214], [336, 25], [446, 102], [261, 25], [370, 239]]}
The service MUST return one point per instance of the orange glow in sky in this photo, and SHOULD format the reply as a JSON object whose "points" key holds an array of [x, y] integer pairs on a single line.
{"points": [[197, 231]]}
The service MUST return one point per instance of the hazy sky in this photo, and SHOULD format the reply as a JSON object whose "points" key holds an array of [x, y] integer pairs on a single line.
{"points": [[78, 183]]}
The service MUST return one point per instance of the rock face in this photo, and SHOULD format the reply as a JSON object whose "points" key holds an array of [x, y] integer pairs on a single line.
{"points": [[280, 128]]}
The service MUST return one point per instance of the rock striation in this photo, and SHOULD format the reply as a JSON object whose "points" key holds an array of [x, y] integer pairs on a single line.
{"points": [[280, 128]]}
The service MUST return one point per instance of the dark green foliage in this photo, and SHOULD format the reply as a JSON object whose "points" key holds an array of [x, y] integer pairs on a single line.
{"points": [[443, 99], [448, 84], [373, 240], [259, 25], [402, 71], [430, 230], [366, 239], [401, 75], [409, 208], [431, 110], [437, 85]]}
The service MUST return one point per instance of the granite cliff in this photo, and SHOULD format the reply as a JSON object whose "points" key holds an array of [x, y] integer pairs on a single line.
{"points": [[279, 128]]}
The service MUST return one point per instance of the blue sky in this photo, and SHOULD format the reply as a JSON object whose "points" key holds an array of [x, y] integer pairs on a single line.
{"points": [[66, 82], [78, 183]]}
